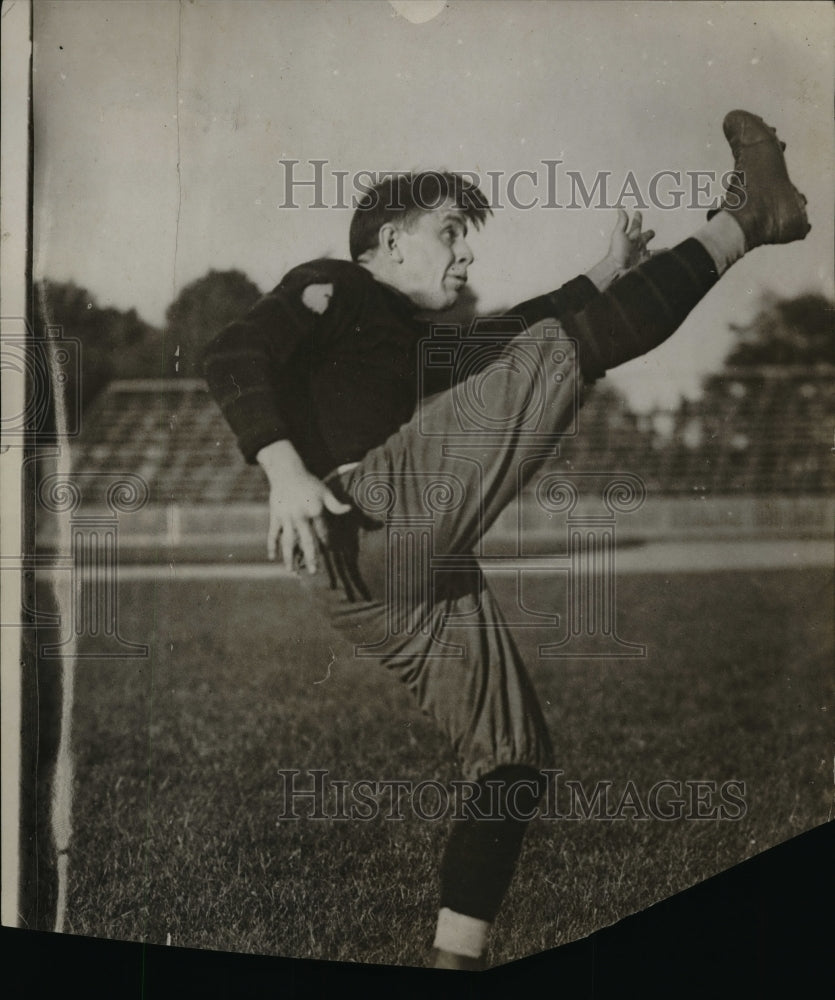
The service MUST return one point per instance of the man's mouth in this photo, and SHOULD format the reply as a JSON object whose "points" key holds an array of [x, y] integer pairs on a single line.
{"points": [[460, 278]]}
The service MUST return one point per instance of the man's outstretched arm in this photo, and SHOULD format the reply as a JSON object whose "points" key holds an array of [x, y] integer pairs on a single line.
{"points": [[645, 306]]}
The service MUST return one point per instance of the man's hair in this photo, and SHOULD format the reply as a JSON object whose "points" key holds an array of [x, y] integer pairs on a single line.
{"points": [[400, 198]]}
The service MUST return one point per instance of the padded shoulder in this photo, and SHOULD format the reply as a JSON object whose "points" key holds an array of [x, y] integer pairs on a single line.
{"points": [[327, 285]]}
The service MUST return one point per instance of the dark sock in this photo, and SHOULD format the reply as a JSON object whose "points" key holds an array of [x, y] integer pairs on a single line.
{"points": [[481, 854]]}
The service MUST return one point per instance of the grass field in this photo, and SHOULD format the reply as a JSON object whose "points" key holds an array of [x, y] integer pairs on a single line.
{"points": [[177, 794]]}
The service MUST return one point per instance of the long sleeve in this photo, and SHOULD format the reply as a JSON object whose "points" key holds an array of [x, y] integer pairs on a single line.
{"points": [[572, 297], [240, 366], [253, 366]]}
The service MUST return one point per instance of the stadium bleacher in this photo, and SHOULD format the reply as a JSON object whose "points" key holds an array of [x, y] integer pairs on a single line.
{"points": [[172, 434]]}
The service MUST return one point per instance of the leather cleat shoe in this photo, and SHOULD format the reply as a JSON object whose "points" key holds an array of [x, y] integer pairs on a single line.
{"points": [[759, 195]]}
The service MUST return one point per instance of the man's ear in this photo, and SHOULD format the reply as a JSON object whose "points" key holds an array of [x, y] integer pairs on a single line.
{"points": [[388, 240]]}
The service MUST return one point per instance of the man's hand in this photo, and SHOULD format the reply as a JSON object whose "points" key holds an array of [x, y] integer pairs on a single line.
{"points": [[298, 501], [627, 248]]}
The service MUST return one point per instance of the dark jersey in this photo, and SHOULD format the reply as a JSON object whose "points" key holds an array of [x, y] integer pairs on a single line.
{"points": [[339, 381]]}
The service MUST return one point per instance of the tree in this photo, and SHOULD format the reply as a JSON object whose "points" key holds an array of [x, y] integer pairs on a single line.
{"points": [[795, 331], [200, 311], [113, 344], [760, 425]]}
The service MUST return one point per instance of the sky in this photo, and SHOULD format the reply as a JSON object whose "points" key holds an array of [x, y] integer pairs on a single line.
{"points": [[160, 127]]}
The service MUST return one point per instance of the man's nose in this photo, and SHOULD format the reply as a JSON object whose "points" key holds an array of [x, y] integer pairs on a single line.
{"points": [[465, 255]]}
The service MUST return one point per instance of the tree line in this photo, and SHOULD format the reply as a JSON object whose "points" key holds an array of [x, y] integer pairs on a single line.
{"points": [[121, 345]]}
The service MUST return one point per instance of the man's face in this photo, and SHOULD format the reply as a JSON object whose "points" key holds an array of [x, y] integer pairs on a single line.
{"points": [[435, 258]]}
